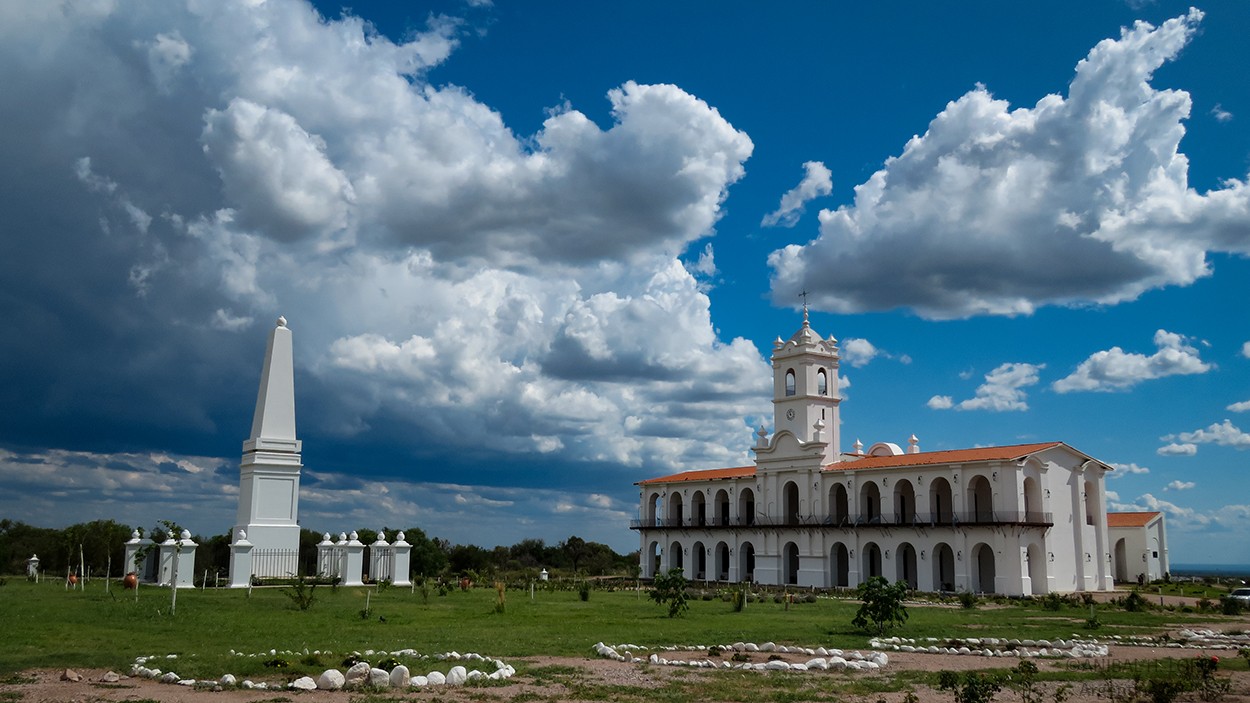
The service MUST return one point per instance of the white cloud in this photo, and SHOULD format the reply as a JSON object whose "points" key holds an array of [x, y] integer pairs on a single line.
{"points": [[1002, 390], [1122, 470], [1115, 369], [858, 352], [1220, 114], [224, 320], [817, 181], [167, 54], [999, 211], [1179, 486], [1175, 449], [1245, 350], [1240, 407], [1224, 434], [1112, 496], [706, 264]]}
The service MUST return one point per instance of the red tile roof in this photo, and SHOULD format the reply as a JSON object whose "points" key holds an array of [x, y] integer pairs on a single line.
{"points": [[1131, 519], [951, 456], [705, 475]]}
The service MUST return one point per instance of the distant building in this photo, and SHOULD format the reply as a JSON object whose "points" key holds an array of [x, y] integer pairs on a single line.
{"points": [[1022, 519], [1139, 545]]}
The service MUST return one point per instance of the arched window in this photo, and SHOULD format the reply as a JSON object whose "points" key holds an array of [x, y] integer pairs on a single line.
{"points": [[822, 382], [790, 382]]}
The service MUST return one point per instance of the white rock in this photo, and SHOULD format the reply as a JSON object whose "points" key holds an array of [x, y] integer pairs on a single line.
{"points": [[247, 685], [475, 675], [798, 667], [331, 680], [822, 652], [817, 663], [777, 665], [419, 682], [400, 676], [751, 647], [739, 646], [379, 678], [186, 682], [357, 675], [457, 676], [869, 665], [304, 683], [227, 681], [169, 677], [768, 647], [435, 678]]}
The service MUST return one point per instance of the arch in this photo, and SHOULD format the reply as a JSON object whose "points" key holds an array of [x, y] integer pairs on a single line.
{"points": [[1037, 569], [839, 566], [746, 507], [746, 562], [721, 507], [839, 510], [651, 561], [675, 560], [869, 503], [941, 502], [822, 382], [1032, 500], [980, 501], [698, 509], [790, 503], [1121, 560], [904, 503], [790, 561], [655, 511], [1091, 502], [871, 556], [790, 389], [905, 565], [983, 563], [721, 562], [674, 517], [943, 567], [698, 562]]}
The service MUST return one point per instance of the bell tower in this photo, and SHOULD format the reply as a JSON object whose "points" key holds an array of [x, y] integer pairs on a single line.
{"points": [[805, 389]]}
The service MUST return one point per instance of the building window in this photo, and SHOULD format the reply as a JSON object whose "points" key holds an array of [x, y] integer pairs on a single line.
{"points": [[822, 383], [790, 382]]}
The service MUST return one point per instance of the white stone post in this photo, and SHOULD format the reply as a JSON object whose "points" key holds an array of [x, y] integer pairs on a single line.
{"points": [[327, 565], [185, 554], [401, 566], [168, 551], [241, 561], [379, 559], [353, 561]]}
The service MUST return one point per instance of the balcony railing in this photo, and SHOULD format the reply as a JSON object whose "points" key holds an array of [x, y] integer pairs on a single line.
{"points": [[866, 520]]}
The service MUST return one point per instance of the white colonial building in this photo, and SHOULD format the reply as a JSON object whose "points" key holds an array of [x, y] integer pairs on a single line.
{"points": [[1021, 520], [1139, 545]]}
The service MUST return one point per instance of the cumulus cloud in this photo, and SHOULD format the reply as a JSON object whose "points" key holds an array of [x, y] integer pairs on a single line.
{"points": [[995, 210], [1175, 449], [1220, 114], [1115, 369], [1122, 470], [1224, 434], [1245, 350], [1239, 407], [1179, 486], [1001, 392], [817, 181], [858, 352], [456, 290]]}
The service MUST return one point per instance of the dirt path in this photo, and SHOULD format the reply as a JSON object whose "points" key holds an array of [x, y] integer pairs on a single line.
{"points": [[46, 685]]}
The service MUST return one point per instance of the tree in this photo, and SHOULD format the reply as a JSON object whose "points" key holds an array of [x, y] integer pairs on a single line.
{"points": [[883, 604], [574, 549], [670, 588]]}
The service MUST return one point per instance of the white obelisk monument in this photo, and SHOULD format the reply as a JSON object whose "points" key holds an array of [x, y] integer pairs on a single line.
{"points": [[265, 539]]}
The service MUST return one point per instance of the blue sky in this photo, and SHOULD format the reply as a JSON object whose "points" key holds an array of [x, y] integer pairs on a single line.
{"points": [[533, 253]]}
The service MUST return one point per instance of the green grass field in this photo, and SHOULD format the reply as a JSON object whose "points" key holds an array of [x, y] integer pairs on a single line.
{"points": [[46, 626]]}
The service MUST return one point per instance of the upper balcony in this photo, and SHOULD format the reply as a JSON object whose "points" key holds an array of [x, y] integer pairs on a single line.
{"points": [[866, 521]]}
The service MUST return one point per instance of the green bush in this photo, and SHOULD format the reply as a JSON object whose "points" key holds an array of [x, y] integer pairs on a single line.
{"points": [[883, 605], [973, 687], [670, 588], [967, 599]]}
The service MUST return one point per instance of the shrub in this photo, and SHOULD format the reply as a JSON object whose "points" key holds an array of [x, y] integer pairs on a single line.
{"points": [[583, 590], [1052, 601], [967, 599], [739, 599], [883, 604], [1134, 603], [1230, 605], [388, 663], [670, 588], [501, 604], [301, 593], [975, 686]]}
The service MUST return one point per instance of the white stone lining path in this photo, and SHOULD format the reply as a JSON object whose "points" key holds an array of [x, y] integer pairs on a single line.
{"points": [[361, 675], [1072, 648], [823, 659]]}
